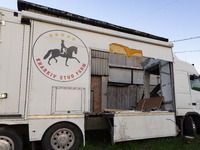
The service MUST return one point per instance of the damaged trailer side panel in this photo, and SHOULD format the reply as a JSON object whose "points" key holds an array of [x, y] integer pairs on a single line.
{"points": [[133, 125]]}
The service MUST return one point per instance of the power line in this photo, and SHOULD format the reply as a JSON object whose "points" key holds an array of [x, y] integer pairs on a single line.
{"points": [[155, 10], [191, 38], [190, 51]]}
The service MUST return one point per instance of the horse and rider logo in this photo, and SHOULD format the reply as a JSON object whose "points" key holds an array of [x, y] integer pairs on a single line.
{"points": [[66, 63], [59, 53]]}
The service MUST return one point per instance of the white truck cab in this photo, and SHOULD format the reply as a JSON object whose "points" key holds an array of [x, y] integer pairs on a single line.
{"points": [[186, 80]]}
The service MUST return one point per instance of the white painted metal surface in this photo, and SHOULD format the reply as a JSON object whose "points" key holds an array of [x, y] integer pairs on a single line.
{"points": [[133, 125], [74, 97], [42, 94], [67, 86], [11, 59]]}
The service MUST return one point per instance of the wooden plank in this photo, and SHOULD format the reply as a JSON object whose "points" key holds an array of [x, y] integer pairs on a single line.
{"points": [[132, 96], [112, 110], [124, 98]]}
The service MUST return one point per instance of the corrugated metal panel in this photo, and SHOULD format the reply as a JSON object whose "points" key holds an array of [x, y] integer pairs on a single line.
{"points": [[99, 63], [100, 54]]}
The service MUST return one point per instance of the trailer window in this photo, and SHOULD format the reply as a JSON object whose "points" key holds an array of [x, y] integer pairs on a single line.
{"points": [[195, 82]]}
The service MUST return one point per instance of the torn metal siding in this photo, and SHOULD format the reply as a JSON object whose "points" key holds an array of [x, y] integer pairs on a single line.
{"points": [[23, 5]]}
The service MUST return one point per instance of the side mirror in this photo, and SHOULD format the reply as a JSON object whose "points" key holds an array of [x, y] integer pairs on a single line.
{"points": [[192, 77]]}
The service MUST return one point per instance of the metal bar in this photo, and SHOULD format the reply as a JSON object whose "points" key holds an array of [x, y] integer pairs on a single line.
{"points": [[0, 25], [11, 116]]}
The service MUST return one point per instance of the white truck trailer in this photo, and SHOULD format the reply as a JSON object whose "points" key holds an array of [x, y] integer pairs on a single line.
{"points": [[46, 62]]}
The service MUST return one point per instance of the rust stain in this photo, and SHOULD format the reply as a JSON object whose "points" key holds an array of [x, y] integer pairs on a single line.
{"points": [[123, 133], [124, 50]]}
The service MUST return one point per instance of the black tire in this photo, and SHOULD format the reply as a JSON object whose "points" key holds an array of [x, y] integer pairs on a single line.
{"points": [[196, 120], [12, 138], [189, 126], [62, 136]]}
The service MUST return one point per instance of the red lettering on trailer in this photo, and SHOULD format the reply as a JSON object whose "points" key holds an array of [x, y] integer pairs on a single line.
{"points": [[48, 72], [38, 59], [54, 76], [40, 63], [81, 69], [84, 65], [45, 70]]}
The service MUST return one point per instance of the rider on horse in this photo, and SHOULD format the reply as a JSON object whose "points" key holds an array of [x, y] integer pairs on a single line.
{"points": [[63, 48]]}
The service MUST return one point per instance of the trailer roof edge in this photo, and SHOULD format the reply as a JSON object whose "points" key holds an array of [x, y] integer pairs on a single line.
{"points": [[27, 6]]}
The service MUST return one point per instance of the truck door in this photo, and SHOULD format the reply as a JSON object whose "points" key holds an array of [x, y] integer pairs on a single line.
{"points": [[195, 90], [182, 90], [11, 62]]}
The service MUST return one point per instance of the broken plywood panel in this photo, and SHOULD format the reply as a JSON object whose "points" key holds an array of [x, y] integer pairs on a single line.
{"points": [[149, 104]]}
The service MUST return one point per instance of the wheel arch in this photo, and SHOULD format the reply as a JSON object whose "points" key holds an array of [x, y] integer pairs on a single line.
{"points": [[67, 122], [192, 114], [38, 127], [11, 137], [196, 118], [21, 128]]}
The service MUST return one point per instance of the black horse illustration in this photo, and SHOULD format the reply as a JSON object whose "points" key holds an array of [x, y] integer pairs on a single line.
{"points": [[56, 53]]}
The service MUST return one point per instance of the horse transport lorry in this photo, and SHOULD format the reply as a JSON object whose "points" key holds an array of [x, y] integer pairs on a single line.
{"points": [[62, 74]]}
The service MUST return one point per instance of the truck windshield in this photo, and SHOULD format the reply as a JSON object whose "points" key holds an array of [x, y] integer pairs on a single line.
{"points": [[195, 82]]}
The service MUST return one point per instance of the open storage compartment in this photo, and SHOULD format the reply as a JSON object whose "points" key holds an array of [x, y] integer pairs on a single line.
{"points": [[154, 115]]}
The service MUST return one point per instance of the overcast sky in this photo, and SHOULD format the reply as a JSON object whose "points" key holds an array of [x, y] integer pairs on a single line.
{"points": [[172, 19]]}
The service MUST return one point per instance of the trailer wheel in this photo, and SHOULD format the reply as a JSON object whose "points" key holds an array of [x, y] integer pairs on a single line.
{"points": [[189, 126], [10, 139], [62, 136]]}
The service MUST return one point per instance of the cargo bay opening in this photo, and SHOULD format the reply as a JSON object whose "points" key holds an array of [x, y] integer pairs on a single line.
{"points": [[119, 82], [164, 89], [128, 93], [122, 87]]}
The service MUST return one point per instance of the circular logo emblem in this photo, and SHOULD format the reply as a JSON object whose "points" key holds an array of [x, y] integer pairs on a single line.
{"points": [[60, 55]]}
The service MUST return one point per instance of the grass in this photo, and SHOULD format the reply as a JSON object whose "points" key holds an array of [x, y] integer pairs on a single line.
{"points": [[100, 140]]}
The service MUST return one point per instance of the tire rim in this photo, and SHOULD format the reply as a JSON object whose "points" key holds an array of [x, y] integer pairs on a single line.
{"points": [[6, 143], [62, 139], [194, 127]]}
